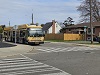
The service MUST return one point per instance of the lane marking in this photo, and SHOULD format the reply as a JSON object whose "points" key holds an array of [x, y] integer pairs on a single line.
{"points": [[16, 63], [24, 68], [27, 65], [20, 65], [35, 71], [63, 49], [50, 66]]}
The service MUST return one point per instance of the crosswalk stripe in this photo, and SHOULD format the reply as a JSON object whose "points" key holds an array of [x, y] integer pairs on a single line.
{"points": [[64, 49], [31, 71], [24, 68], [15, 59], [16, 63], [25, 65], [20, 65]]}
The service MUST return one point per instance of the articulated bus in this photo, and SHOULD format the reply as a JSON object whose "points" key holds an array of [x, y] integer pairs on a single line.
{"points": [[28, 34]]}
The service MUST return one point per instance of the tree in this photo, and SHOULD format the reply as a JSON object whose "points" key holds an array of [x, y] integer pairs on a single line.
{"points": [[1, 30], [84, 10], [3, 26], [63, 30], [42, 25], [68, 22]]}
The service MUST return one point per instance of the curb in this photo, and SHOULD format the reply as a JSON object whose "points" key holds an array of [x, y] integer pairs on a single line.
{"points": [[96, 46]]}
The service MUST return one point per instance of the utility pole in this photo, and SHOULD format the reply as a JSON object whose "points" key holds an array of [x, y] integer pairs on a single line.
{"points": [[15, 34], [91, 27], [9, 23], [32, 18]]}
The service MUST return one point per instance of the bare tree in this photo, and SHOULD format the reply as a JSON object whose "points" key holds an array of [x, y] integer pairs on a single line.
{"points": [[68, 22], [84, 9]]}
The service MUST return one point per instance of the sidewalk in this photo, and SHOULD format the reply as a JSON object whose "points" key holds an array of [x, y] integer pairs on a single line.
{"points": [[96, 46], [79, 43], [18, 49]]}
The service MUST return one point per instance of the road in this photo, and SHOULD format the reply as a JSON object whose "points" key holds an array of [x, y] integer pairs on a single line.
{"points": [[53, 59]]}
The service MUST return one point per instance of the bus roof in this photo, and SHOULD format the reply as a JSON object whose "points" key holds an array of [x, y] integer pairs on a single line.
{"points": [[24, 26], [8, 28]]}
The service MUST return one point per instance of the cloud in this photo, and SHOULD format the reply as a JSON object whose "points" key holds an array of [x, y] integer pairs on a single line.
{"points": [[19, 11]]}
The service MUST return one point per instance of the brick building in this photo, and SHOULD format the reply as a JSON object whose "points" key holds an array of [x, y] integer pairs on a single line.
{"points": [[84, 28]]}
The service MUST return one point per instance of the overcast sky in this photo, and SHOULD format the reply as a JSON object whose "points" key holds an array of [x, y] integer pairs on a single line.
{"points": [[20, 11]]}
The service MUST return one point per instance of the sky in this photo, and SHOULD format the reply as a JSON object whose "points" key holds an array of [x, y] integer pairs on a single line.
{"points": [[20, 11]]}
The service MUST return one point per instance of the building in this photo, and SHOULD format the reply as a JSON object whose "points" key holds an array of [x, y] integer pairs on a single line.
{"points": [[53, 27], [84, 28]]}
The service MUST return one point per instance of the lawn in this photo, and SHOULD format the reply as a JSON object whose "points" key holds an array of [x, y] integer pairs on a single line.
{"points": [[75, 41]]}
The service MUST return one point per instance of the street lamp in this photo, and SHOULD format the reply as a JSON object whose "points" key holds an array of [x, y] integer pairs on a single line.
{"points": [[91, 27]]}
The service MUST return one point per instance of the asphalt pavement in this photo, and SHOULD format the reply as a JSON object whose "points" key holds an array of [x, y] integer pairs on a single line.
{"points": [[68, 58], [6, 45], [8, 49], [73, 62]]}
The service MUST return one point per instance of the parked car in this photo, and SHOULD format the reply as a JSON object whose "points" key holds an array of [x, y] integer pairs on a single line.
{"points": [[98, 39]]}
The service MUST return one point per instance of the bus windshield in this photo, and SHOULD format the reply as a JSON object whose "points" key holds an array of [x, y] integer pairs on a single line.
{"points": [[35, 32]]}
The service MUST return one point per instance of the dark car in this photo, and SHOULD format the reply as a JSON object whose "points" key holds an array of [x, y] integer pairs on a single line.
{"points": [[98, 39]]}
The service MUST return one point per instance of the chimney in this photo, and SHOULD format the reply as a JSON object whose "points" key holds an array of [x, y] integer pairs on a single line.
{"points": [[53, 26]]}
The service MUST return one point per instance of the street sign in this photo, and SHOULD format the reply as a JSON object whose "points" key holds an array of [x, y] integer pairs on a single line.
{"points": [[84, 29], [85, 26]]}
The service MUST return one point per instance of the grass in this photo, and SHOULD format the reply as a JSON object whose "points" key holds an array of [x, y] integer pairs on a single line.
{"points": [[95, 43], [75, 41], [62, 40]]}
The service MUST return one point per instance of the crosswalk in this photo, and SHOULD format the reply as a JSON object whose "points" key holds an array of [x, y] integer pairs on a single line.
{"points": [[64, 49], [25, 66]]}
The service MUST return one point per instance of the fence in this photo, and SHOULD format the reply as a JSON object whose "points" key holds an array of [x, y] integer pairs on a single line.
{"points": [[64, 37]]}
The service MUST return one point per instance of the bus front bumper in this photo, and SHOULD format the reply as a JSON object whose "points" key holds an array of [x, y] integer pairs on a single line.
{"points": [[36, 42]]}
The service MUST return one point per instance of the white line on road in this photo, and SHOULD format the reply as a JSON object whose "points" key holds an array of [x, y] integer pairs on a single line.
{"points": [[27, 65], [65, 49]]}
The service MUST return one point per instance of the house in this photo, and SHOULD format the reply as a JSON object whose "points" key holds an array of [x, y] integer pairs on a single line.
{"points": [[53, 27], [84, 28]]}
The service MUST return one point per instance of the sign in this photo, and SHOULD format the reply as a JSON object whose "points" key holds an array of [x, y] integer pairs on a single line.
{"points": [[85, 28]]}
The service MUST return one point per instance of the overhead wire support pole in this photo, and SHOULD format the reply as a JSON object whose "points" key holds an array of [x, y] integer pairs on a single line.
{"points": [[32, 18], [9, 22], [91, 27], [15, 34]]}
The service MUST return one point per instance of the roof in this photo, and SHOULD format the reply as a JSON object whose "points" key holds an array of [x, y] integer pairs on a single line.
{"points": [[28, 26], [47, 26], [94, 24], [61, 24], [8, 28]]}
